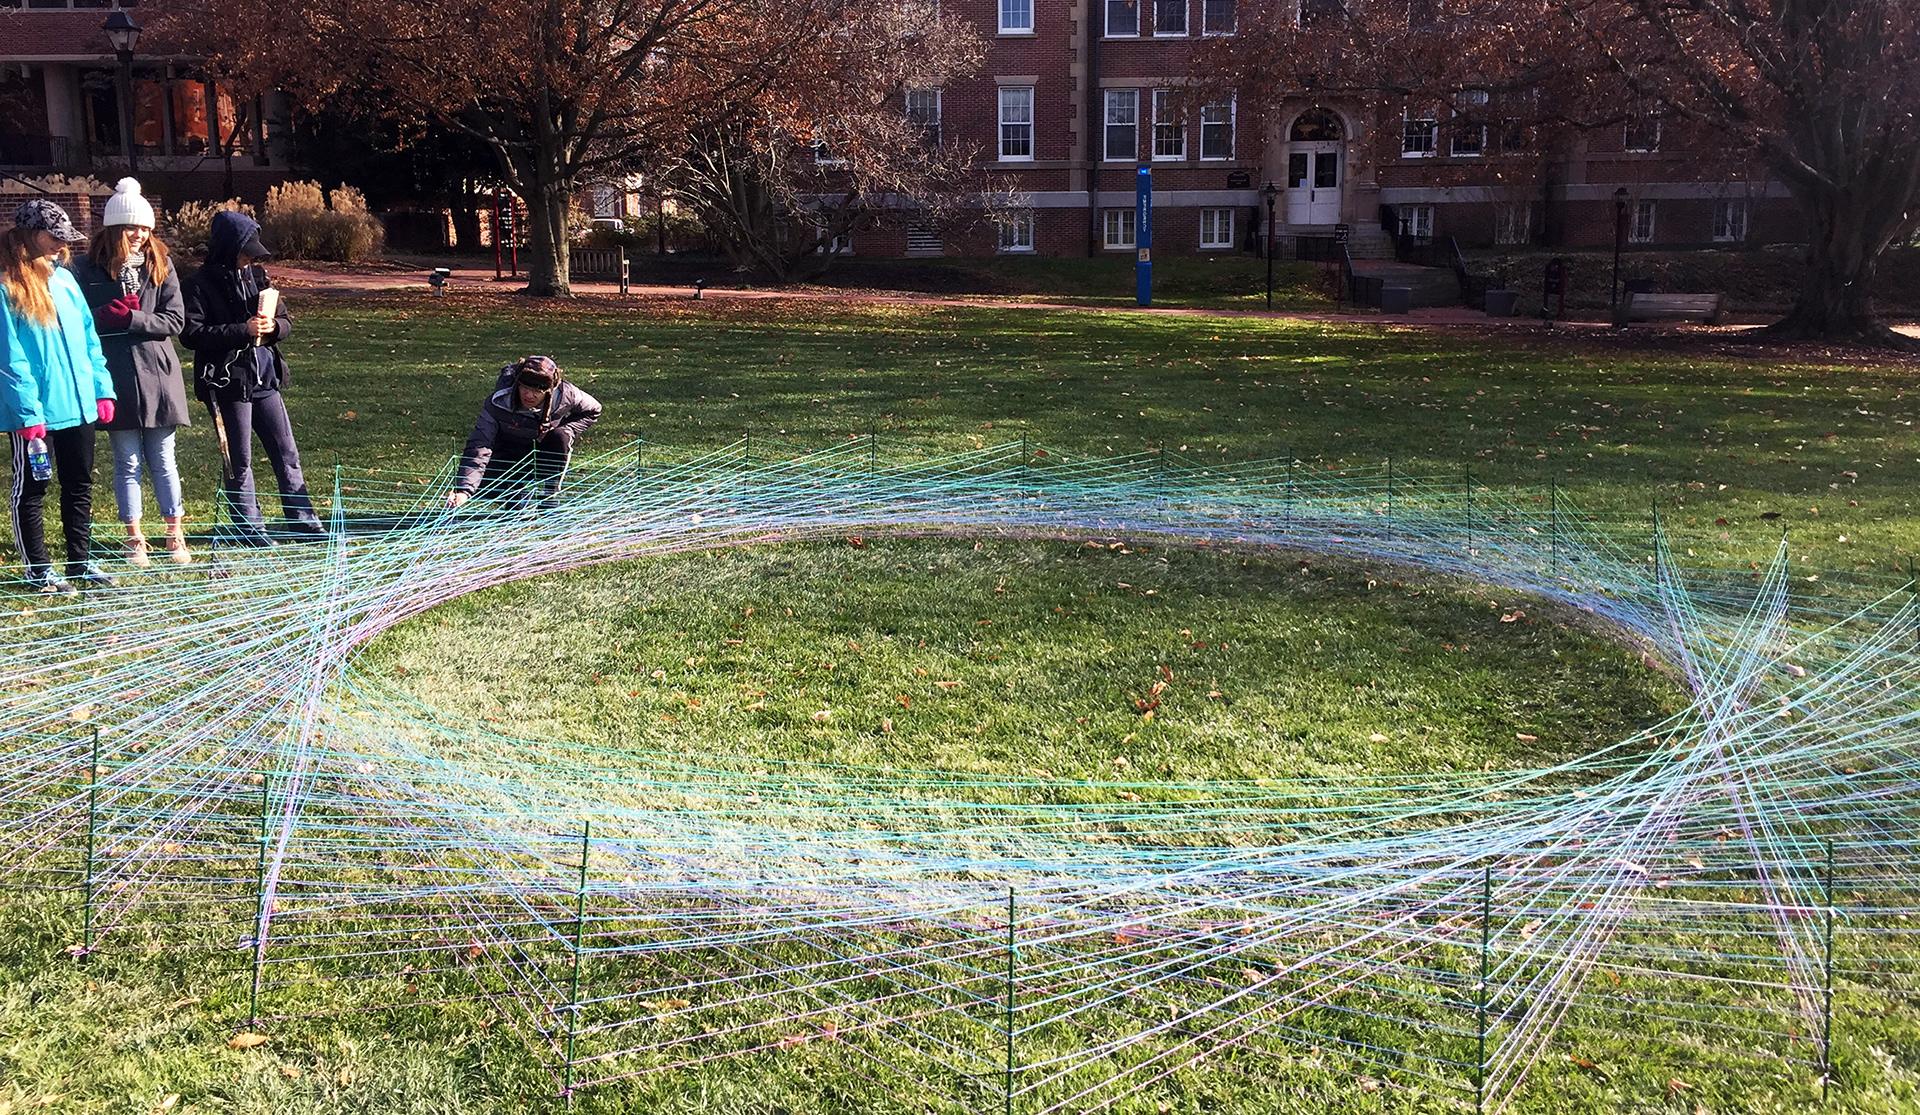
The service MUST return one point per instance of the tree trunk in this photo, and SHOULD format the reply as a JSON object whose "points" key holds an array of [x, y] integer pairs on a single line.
{"points": [[1844, 244], [549, 265]]}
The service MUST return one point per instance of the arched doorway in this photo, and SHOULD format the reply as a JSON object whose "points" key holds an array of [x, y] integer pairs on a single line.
{"points": [[1316, 159]]}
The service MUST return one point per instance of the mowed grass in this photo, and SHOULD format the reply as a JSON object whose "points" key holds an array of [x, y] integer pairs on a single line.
{"points": [[1050, 643]]}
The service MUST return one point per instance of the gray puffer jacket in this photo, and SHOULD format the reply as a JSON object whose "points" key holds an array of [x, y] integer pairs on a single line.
{"points": [[505, 430]]}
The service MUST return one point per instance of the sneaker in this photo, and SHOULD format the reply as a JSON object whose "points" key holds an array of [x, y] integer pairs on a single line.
{"points": [[92, 576], [245, 535], [46, 582]]}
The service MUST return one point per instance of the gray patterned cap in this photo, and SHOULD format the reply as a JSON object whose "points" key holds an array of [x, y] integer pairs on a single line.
{"points": [[41, 215]]}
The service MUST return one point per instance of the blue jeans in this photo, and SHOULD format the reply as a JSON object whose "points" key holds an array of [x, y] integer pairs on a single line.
{"points": [[152, 448]]}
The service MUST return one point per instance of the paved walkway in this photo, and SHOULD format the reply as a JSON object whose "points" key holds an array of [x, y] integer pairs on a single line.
{"points": [[351, 282]]}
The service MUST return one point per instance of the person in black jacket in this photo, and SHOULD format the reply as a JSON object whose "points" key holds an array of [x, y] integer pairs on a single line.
{"points": [[238, 372], [130, 282], [533, 412]]}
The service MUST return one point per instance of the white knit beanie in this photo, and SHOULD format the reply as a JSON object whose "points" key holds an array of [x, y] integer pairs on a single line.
{"points": [[127, 206]]}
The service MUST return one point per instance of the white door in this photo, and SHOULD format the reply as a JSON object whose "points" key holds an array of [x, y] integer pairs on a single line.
{"points": [[1313, 183]]}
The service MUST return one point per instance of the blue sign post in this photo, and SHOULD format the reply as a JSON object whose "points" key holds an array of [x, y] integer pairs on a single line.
{"points": [[1143, 236]]}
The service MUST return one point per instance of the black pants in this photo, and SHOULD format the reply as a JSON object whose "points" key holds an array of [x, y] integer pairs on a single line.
{"points": [[72, 453], [265, 415], [508, 470]]}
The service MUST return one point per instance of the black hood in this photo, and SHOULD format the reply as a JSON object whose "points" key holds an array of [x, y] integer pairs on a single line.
{"points": [[231, 231]]}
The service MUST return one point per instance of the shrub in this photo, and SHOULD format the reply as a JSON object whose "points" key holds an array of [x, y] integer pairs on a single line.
{"points": [[186, 227], [302, 222]]}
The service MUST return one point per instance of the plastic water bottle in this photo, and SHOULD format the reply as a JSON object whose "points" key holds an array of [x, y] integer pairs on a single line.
{"points": [[38, 460]]}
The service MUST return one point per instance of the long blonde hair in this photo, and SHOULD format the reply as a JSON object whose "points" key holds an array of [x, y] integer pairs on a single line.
{"points": [[25, 277], [109, 250]]}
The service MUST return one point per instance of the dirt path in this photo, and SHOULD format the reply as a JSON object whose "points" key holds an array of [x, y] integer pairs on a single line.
{"points": [[1446, 318]]}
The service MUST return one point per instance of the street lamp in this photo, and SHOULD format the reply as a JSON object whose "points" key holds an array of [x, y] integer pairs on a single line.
{"points": [[1619, 239], [1271, 191], [124, 34]]}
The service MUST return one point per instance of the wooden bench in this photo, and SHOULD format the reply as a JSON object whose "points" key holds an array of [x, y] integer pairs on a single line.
{"points": [[1671, 307], [602, 263]]}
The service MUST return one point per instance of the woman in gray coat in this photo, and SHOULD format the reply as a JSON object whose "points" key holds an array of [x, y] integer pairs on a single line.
{"points": [[135, 294]]}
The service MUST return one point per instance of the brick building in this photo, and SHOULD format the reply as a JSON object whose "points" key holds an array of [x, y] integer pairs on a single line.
{"points": [[1074, 95], [60, 106]]}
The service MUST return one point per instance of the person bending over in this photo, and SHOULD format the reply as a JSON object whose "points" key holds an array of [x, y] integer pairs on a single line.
{"points": [[533, 412]]}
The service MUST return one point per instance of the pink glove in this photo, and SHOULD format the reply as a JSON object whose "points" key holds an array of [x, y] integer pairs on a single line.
{"points": [[37, 430], [105, 408], [116, 314]]}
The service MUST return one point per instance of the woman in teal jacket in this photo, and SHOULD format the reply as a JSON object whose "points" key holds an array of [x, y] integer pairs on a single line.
{"points": [[54, 384]]}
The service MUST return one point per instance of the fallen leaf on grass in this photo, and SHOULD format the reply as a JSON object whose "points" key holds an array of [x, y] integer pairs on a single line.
{"points": [[947, 684], [663, 1006], [1378, 737], [246, 1039], [1523, 737]]}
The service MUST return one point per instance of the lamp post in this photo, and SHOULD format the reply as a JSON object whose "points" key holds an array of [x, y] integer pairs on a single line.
{"points": [[1271, 192], [124, 34], [1619, 239]]}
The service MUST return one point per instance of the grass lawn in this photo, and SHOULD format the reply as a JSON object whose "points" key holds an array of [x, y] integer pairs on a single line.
{"points": [[1321, 668]]}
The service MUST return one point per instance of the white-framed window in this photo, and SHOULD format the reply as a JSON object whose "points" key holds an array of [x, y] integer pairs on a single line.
{"points": [[1169, 127], [1116, 229], [608, 202], [1216, 228], [1016, 232], [1216, 131], [1218, 17], [1730, 220], [1641, 132], [1016, 123], [1122, 142], [839, 244], [1513, 223], [1419, 136], [1417, 221], [923, 111], [1466, 140], [1640, 225], [1016, 17], [1123, 19], [1169, 18], [824, 154]]}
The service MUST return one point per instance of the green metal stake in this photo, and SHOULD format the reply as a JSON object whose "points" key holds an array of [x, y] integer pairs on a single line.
{"points": [[1389, 497], [1480, 990], [1467, 472], [873, 446], [93, 813], [746, 447], [1658, 565], [1010, 954], [260, 900], [1286, 502], [1553, 524], [579, 945], [1913, 586], [1826, 1008]]}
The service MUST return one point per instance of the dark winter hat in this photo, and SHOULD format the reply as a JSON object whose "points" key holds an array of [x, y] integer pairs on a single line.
{"points": [[41, 215], [538, 372], [253, 248]]}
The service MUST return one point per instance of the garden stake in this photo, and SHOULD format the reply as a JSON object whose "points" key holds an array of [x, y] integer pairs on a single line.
{"points": [[1389, 497], [1010, 948], [1826, 1006], [1553, 524], [1286, 500], [93, 813], [873, 447], [1913, 587], [579, 943], [1658, 567], [1467, 472], [260, 902], [746, 447], [1480, 989]]}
